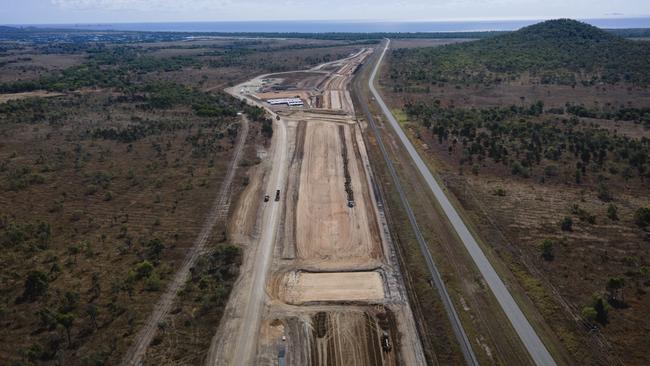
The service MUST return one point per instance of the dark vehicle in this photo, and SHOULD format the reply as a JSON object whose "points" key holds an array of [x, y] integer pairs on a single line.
{"points": [[385, 343], [266, 198], [277, 195]]}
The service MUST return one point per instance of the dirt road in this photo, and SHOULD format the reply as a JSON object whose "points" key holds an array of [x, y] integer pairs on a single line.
{"points": [[141, 342]]}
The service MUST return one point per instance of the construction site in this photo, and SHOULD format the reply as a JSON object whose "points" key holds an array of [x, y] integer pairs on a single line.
{"points": [[320, 282]]}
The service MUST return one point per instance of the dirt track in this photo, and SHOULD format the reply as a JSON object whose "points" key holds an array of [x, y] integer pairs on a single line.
{"points": [[221, 203]]}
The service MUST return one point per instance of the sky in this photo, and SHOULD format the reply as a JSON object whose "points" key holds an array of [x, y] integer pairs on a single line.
{"points": [[118, 11]]}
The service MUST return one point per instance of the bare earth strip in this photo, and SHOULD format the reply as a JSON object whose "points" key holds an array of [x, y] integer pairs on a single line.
{"points": [[329, 233], [301, 287], [141, 342]]}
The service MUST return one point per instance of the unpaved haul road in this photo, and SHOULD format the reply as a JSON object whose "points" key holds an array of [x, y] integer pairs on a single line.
{"points": [[529, 337], [245, 348]]}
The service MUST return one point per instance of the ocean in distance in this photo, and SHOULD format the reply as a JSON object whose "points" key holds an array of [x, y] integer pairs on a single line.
{"points": [[343, 26]]}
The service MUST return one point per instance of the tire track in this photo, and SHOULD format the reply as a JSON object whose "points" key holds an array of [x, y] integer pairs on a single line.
{"points": [[135, 354]]}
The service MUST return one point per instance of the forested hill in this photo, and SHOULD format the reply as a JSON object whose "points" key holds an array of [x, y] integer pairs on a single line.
{"points": [[557, 51]]}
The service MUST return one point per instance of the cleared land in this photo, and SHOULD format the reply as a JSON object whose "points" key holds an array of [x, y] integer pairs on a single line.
{"points": [[329, 245], [303, 287], [329, 233]]}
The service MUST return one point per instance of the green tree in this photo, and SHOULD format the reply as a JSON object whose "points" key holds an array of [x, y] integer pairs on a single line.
{"points": [[36, 285], [66, 320], [92, 312], [612, 212], [143, 269], [642, 217], [614, 287], [546, 247], [566, 224], [602, 310], [155, 248]]}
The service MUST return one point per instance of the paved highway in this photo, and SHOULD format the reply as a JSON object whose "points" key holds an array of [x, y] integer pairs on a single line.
{"points": [[459, 332], [527, 334]]}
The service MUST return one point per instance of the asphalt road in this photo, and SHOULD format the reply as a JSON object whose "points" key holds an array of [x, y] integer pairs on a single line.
{"points": [[527, 334], [457, 327]]}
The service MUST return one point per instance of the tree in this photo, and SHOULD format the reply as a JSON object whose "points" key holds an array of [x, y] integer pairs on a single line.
{"points": [[36, 285], [66, 320], [612, 212], [143, 269], [615, 288], [155, 247], [602, 310], [546, 248], [95, 287], [603, 192], [642, 217], [566, 224], [598, 311], [92, 311]]}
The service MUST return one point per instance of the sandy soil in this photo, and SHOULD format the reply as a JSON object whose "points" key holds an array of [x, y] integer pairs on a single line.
{"points": [[15, 96], [329, 232], [302, 287]]}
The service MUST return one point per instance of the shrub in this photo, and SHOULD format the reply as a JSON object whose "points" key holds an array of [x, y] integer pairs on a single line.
{"points": [[154, 248], [108, 196], [520, 170], [603, 193], [642, 217], [36, 285], [77, 215], [91, 189], [143, 269], [152, 283], [546, 247], [612, 212], [566, 224]]}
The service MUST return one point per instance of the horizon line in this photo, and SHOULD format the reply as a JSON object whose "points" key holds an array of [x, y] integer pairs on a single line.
{"points": [[360, 21]]}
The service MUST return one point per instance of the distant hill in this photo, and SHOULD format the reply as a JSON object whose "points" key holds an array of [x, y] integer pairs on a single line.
{"points": [[557, 51]]}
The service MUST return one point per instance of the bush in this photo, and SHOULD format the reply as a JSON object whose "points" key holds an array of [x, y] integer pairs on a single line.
{"points": [[597, 311], [520, 170], [108, 196], [546, 247], [36, 285], [612, 212], [566, 224], [91, 189], [603, 193], [642, 217], [152, 283], [143, 269]]}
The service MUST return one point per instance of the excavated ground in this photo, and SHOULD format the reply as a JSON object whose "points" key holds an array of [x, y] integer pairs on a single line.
{"points": [[334, 291]]}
